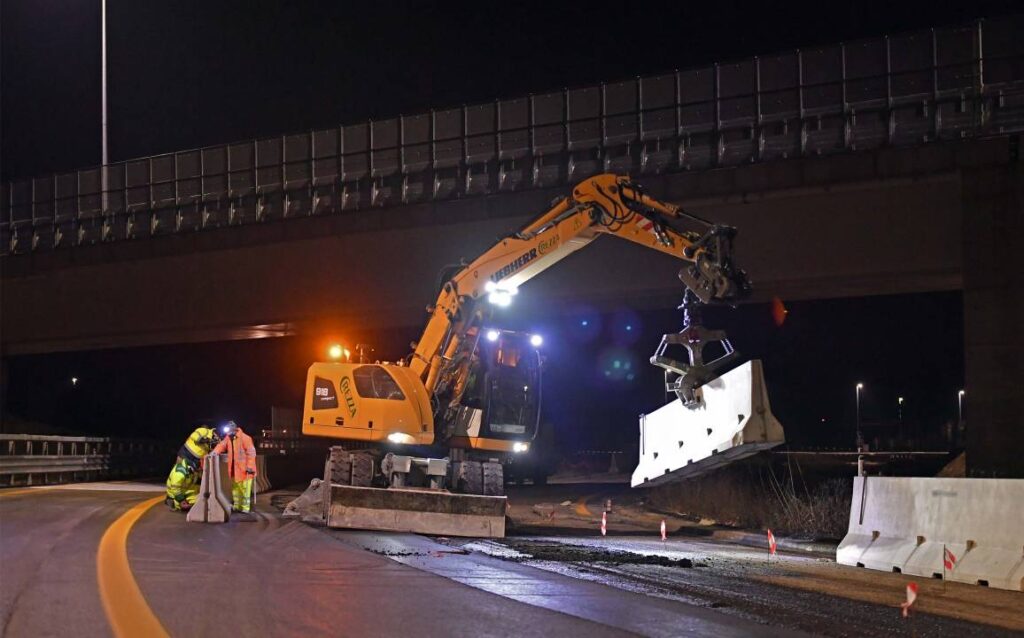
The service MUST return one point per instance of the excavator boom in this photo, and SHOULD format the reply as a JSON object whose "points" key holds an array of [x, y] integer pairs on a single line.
{"points": [[601, 205]]}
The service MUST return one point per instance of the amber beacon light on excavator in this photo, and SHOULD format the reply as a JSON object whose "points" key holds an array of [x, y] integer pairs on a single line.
{"points": [[467, 399]]}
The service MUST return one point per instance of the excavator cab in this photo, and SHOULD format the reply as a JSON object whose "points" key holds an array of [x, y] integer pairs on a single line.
{"points": [[513, 387], [500, 406]]}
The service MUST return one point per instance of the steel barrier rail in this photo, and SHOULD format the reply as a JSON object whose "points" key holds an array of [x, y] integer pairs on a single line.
{"points": [[294, 445], [27, 459], [900, 90]]}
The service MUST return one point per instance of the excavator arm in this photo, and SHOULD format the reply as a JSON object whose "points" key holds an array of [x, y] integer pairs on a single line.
{"points": [[602, 205]]}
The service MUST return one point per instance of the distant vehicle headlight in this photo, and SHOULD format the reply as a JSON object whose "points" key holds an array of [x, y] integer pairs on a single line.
{"points": [[519, 447]]}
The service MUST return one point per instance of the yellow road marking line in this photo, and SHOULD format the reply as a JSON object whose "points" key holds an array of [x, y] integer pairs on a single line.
{"points": [[16, 492], [125, 606], [581, 507]]}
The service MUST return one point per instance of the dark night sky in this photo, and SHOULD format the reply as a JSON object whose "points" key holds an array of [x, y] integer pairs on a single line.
{"points": [[187, 74]]}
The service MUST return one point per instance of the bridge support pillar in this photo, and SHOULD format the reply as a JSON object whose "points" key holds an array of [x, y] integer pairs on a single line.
{"points": [[993, 254], [3, 388]]}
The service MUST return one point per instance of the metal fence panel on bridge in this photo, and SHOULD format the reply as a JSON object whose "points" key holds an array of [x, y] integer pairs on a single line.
{"points": [[908, 89]]}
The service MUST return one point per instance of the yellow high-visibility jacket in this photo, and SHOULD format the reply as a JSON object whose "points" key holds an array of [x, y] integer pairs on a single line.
{"points": [[198, 444]]}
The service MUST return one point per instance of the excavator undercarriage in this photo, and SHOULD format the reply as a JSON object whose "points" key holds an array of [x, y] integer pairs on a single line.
{"points": [[416, 498]]}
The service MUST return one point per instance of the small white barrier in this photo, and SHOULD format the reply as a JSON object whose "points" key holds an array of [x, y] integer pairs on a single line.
{"points": [[214, 502], [904, 524], [734, 422], [262, 482]]}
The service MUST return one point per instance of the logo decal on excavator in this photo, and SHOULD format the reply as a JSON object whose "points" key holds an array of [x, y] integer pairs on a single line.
{"points": [[324, 397], [512, 267], [548, 245], [346, 389]]}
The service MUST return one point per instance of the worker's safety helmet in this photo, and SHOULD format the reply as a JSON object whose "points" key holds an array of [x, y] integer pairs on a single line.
{"points": [[228, 429]]}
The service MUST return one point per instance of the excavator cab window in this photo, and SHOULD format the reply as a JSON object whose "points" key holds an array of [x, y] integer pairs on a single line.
{"points": [[511, 375], [374, 382]]}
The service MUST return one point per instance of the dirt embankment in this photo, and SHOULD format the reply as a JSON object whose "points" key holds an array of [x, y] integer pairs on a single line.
{"points": [[758, 494]]}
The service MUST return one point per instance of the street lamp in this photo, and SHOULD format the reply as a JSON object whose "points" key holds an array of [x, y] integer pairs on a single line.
{"points": [[103, 107], [960, 406], [860, 438], [899, 409]]}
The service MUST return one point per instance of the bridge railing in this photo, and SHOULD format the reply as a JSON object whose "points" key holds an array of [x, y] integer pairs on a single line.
{"points": [[29, 459], [900, 90]]}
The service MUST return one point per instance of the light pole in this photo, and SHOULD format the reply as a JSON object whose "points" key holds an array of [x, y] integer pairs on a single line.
{"points": [[103, 104], [860, 438], [899, 410], [960, 407]]}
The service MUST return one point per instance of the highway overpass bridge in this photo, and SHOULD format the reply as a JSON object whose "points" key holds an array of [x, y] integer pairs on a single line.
{"points": [[883, 166]]}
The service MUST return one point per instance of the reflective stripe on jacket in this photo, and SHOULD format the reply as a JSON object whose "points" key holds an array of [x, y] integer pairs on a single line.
{"points": [[197, 445], [241, 455]]}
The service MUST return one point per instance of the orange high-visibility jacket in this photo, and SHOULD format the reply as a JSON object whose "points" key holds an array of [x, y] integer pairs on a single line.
{"points": [[241, 455]]}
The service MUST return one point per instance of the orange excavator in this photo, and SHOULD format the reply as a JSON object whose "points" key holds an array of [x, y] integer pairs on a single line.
{"points": [[470, 392]]}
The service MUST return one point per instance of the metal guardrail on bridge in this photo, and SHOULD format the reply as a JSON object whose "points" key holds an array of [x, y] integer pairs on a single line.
{"points": [[900, 90], [29, 459]]}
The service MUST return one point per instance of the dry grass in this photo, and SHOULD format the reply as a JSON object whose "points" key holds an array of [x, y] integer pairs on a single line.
{"points": [[758, 495]]}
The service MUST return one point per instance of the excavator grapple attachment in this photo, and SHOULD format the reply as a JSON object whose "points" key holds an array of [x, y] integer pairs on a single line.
{"points": [[732, 421]]}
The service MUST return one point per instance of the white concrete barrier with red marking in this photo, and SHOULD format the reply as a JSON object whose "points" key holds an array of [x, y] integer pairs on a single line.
{"points": [[913, 526], [734, 421]]}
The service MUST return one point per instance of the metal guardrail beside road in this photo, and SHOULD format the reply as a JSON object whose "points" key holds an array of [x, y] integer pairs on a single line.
{"points": [[901, 90], [28, 459]]}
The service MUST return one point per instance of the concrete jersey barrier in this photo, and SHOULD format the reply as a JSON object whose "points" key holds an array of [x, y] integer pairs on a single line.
{"points": [[214, 502], [905, 525], [734, 421], [262, 482]]}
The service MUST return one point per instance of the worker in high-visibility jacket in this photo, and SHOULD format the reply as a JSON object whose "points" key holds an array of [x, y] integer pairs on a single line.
{"points": [[241, 464], [186, 475]]}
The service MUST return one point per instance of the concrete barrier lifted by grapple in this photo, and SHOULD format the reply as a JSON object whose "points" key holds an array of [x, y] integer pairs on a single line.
{"points": [[732, 421], [469, 392], [717, 417]]}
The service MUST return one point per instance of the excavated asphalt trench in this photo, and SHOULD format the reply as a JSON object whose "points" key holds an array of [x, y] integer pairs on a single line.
{"points": [[557, 552]]}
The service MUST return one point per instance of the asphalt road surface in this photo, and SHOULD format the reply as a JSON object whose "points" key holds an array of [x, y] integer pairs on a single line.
{"points": [[106, 559]]}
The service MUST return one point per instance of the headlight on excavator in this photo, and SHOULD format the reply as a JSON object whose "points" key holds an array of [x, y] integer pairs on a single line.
{"points": [[500, 295], [520, 447], [401, 437]]}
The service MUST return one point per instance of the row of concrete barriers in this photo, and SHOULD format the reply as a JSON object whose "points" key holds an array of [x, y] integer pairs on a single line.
{"points": [[964, 530]]}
